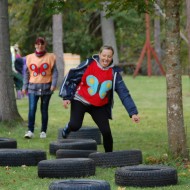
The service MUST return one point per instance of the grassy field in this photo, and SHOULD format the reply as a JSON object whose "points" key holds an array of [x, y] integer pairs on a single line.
{"points": [[150, 136]]}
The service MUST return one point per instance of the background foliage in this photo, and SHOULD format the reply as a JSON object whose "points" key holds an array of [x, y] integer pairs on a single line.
{"points": [[82, 29]]}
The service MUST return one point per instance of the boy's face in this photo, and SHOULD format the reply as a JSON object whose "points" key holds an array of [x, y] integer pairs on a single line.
{"points": [[40, 47], [106, 57]]}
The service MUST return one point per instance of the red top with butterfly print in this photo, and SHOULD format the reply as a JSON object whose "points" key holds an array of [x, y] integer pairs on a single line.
{"points": [[95, 84], [40, 68]]}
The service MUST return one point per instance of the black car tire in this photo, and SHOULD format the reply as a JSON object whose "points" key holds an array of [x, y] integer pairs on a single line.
{"points": [[66, 153], [80, 184], [84, 132], [76, 144], [146, 176], [19, 157], [66, 167], [8, 143], [117, 158]]}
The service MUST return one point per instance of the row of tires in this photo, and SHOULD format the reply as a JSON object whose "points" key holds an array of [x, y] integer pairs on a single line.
{"points": [[79, 157], [83, 133], [73, 148], [136, 176], [130, 172]]}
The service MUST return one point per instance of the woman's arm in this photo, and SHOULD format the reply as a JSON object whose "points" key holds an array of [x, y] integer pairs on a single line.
{"points": [[125, 96]]}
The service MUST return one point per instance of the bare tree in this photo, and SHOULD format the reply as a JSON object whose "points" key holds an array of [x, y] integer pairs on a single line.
{"points": [[188, 31], [108, 33], [157, 44], [58, 45], [8, 108], [175, 121]]}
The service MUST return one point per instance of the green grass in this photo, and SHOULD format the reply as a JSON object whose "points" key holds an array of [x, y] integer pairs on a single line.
{"points": [[150, 136]]}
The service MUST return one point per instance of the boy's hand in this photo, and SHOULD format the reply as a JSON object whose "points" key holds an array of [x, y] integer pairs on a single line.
{"points": [[135, 118], [66, 103], [24, 92], [53, 88]]}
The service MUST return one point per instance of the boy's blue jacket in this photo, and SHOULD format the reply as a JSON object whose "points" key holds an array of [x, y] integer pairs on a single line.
{"points": [[73, 78]]}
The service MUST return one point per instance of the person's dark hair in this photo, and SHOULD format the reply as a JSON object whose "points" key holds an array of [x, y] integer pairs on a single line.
{"points": [[106, 47], [40, 40]]}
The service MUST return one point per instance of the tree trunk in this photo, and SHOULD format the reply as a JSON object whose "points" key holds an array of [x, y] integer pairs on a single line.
{"points": [[8, 108], [175, 121], [188, 32], [157, 45], [108, 35], [58, 45]]}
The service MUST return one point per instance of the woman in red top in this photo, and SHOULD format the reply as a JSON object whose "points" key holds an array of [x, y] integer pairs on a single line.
{"points": [[89, 88], [40, 81]]}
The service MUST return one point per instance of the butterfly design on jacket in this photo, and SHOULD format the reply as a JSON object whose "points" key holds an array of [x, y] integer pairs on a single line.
{"points": [[96, 87], [39, 70]]}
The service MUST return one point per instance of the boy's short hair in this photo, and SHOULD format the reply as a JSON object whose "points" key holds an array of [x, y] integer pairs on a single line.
{"points": [[106, 47], [40, 40]]}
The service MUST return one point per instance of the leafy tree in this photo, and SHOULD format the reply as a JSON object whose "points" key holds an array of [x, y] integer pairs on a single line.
{"points": [[39, 24], [126, 5], [19, 12], [82, 18]]}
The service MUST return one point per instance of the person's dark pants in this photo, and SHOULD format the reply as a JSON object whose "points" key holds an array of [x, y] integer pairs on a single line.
{"points": [[18, 80], [100, 117], [33, 100]]}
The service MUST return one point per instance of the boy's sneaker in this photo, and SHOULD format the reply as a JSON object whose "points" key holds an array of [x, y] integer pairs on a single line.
{"points": [[42, 135], [65, 132], [29, 135]]}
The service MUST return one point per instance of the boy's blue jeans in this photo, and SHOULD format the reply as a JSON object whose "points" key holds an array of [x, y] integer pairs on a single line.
{"points": [[33, 100]]}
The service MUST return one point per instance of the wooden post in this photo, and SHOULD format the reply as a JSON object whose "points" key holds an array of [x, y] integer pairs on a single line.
{"points": [[149, 50]]}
